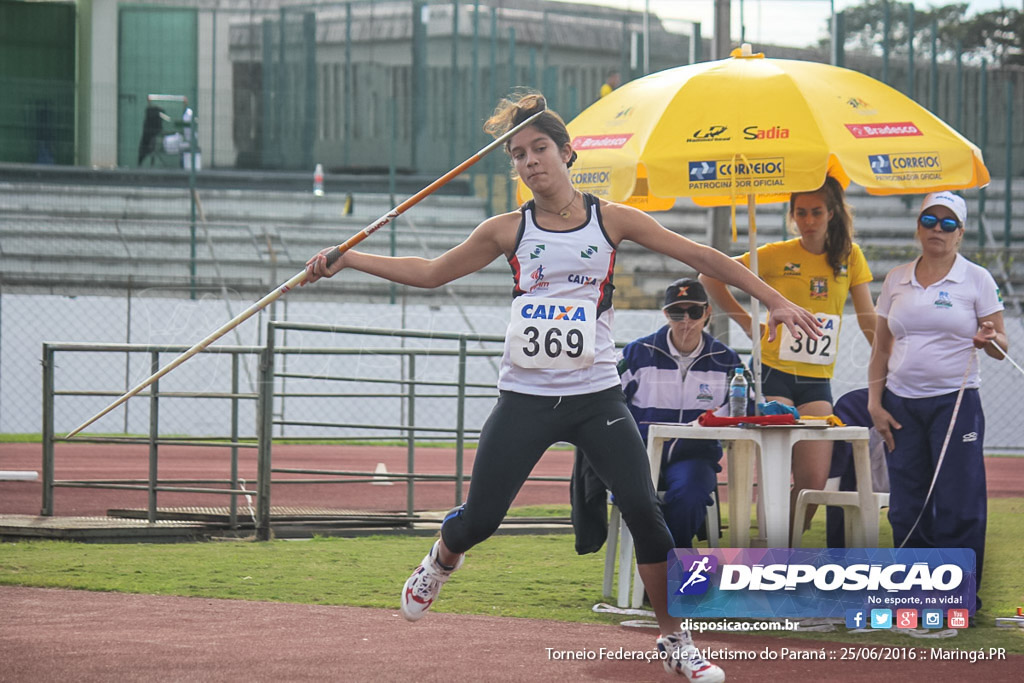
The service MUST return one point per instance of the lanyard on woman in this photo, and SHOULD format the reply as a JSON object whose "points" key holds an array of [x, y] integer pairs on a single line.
{"points": [[945, 444], [949, 433]]}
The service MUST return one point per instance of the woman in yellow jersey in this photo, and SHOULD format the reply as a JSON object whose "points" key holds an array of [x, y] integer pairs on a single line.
{"points": [[816, 270]]}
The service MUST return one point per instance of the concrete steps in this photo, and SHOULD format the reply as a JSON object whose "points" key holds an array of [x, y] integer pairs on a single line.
{"points": [[88, 238]]}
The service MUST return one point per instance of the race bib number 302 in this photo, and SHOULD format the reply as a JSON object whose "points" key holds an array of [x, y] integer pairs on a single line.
{"points": [[821, 351], [554, 334]]}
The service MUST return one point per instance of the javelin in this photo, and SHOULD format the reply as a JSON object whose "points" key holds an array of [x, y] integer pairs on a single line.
{"points": [[1006, 355], [300, 277]]}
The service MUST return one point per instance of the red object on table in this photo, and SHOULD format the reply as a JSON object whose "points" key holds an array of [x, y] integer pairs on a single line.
{"points": [[709, 419]]}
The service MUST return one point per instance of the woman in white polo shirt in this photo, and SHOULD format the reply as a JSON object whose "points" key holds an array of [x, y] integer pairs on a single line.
{"points": [[933, 313]]}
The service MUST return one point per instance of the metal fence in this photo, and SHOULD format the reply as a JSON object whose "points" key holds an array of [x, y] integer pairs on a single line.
{"points": [[231, 439], [344, 384], [419, 328], [400, 387]]}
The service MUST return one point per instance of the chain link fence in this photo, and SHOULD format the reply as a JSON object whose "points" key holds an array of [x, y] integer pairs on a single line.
{"points": [[368, 84], [26, 321]]}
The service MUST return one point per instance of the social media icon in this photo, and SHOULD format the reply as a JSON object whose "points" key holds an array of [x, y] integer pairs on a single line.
{"points": [[881, 618], [957, 618], [931, 618], [855, 618], [906, 618]]}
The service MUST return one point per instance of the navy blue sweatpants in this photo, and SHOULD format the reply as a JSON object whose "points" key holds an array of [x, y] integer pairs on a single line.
{"points": [[956, 514], [688, 487]]}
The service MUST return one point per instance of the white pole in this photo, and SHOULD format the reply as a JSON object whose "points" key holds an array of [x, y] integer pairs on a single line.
{"points": [[18, 475], [647, 37], [755, 305]]}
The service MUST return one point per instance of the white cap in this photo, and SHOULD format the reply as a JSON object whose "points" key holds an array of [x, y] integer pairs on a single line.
{"points": [[953, 202]]}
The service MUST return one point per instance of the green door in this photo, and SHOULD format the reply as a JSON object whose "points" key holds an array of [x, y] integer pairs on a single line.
{"points": [[37, 82], [156, 55]]}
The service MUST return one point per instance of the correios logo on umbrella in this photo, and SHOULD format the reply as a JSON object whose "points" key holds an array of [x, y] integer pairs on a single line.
{"points": [[596, 181], [910, 166], [707, 175]]}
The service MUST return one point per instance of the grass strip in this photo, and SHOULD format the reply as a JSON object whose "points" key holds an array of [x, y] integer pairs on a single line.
{"points": [[538, 577]]}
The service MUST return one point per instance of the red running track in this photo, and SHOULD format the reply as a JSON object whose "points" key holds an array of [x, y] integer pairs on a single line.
{"points": [[58, 635], [98, 461]]}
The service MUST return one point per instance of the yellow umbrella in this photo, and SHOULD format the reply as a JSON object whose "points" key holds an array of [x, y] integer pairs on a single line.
{"points": [[720, 131], [752, 130]]}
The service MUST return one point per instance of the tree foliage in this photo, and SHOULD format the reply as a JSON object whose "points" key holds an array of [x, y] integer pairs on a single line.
{"points": [[997, 35]]}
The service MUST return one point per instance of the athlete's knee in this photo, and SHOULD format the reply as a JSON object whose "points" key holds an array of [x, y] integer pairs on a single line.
{"points": [[638, 509], [652, 543], [467, 528]]}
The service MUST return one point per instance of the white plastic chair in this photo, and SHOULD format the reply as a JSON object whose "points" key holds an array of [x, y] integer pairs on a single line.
{"points": [[861, 525], [619, 543]]}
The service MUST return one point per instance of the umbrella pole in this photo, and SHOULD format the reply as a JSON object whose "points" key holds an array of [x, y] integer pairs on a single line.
{"points": [[755, 305]]}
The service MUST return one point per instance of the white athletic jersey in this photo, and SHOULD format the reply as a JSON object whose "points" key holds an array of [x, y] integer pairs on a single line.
{"points": [[932, 327], [561, 276]]}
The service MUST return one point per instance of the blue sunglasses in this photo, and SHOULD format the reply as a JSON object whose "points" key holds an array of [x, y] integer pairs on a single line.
{"points": [[929, 221]]}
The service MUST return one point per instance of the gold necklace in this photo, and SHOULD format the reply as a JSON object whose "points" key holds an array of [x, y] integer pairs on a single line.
{"points": [[565, 211]]}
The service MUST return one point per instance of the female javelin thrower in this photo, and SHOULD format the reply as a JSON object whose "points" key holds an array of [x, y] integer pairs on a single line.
{"points": [[561, 247]]}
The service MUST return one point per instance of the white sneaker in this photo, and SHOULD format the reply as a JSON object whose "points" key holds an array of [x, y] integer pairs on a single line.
{"points": [[424, 585], [681, 656]]}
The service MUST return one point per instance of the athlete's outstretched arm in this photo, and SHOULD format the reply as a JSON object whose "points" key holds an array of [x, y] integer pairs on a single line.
{"points": [[624, 222], [727, 303], [488, 241]]}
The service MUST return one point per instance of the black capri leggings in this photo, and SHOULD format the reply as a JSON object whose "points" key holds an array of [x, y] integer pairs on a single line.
{"points": [[522, 427]]}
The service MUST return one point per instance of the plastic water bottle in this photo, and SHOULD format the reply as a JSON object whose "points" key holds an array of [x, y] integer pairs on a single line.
{"points": [[738, 394], [318, 180]]}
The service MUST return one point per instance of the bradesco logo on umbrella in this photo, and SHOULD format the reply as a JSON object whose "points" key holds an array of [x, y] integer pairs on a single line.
{"points": [[794, 582]]}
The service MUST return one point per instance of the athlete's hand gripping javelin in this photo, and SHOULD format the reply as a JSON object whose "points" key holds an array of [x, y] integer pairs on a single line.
{"points": [[318, 266]]}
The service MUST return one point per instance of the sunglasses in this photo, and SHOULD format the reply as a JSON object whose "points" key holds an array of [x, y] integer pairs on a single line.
{"points": [[677, 314], [929, 221]]}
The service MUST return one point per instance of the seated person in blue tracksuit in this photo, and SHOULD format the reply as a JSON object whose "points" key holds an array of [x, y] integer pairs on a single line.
{"points": [[674, 375], [852, 409]]}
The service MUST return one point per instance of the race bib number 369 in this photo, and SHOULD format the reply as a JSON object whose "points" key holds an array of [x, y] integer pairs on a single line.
{"points": [[552, 333]]}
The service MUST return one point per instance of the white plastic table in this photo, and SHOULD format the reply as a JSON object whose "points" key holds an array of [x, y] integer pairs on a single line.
{"points": [[775, 445]]}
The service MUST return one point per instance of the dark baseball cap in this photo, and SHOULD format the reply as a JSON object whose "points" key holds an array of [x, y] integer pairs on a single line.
{"points": [[685, 291]]}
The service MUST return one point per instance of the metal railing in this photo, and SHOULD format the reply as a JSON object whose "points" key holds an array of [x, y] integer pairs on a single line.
{"points": [[463, 381], [456, 389], [153, 484]]}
